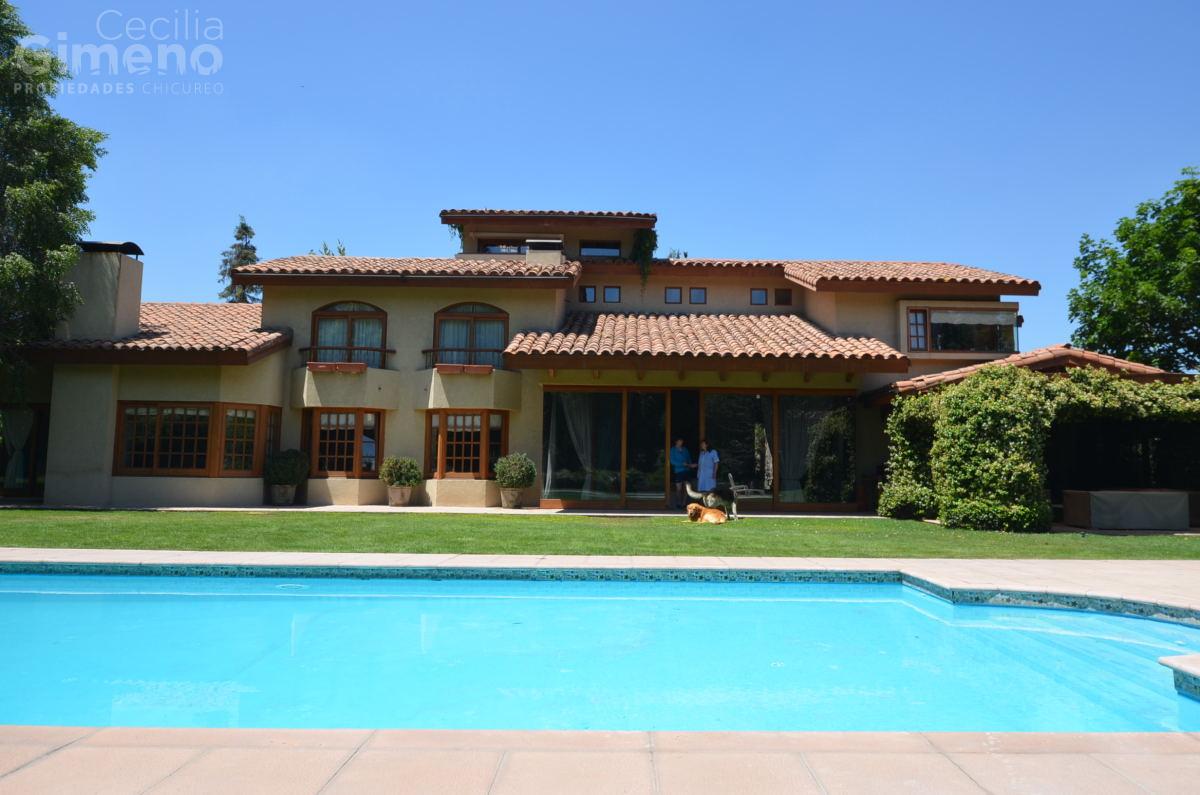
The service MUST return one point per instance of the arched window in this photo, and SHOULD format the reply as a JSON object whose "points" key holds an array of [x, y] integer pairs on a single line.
{"points": [[349, 331], [470, 334]]}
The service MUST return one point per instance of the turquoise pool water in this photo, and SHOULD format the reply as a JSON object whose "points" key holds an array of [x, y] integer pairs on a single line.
{"points": [[210, 651]]}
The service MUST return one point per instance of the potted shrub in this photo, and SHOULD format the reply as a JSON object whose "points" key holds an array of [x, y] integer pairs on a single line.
{"points": [[514, 472], [284, 472], [400, 475]]}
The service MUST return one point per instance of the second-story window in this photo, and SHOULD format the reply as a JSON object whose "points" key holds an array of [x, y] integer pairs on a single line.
{"points": [[349, 331], [672, 295], [697, 295], [600, 248], [587, 294], [612, 295], [783, 296], [917, 325], [758, 296], [505, 246], [470, 334]]}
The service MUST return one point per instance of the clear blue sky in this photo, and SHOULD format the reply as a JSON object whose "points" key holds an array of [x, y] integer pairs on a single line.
{"points": [[988, 134]]}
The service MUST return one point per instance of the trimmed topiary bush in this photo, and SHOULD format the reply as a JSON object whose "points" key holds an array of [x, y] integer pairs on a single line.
{"points": [[400, 472], [286, 468], [515, 471], [908, 491]]}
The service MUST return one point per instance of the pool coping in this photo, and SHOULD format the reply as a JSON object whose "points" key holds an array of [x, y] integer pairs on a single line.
{"points": [[948, 585]]}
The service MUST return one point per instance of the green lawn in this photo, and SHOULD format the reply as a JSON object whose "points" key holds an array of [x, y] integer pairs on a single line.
{"points": [[564, 535]]}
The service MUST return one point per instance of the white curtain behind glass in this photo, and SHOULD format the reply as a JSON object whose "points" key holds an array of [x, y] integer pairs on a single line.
{"points": [[454, 334]]}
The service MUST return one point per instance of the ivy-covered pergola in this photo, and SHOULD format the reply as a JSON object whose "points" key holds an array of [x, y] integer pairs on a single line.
{"points": [[990, 450]]}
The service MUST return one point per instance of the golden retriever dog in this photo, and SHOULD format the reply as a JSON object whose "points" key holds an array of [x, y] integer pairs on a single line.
{"points": [[698, 513]]}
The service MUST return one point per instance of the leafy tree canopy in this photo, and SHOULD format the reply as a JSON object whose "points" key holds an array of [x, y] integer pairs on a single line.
{"points": [[1139, 297], [45, 162], [242, 252], [326, 251]]}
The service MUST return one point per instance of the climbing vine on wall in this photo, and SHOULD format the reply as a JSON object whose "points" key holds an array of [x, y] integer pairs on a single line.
{"points": [[645, 242]]}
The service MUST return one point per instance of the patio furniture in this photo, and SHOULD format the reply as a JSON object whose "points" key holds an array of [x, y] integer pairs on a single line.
{"points": [[1131, 509], [743, 492]]}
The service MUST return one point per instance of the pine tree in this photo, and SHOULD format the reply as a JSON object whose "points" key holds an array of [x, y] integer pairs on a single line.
{"points": [[242, 252]]}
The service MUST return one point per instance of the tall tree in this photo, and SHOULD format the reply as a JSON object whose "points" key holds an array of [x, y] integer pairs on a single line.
{"points": [[45, 162], [242, 252], [1139, 297]]}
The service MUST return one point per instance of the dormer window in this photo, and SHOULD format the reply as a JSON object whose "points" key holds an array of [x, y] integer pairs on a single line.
{"points": [[503, 246], [600, 248]]}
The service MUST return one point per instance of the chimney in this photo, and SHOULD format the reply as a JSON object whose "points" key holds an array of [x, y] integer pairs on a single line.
{"points": [[109, 281], [544, 251]]}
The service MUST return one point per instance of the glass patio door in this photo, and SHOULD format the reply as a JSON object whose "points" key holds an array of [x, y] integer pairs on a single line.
{"points": [[646, 447]]}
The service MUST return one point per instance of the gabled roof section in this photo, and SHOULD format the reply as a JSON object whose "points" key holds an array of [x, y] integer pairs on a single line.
{"points": [[180, 333], [1053, 358], [674, 341], [309, 268], [856, 275]]}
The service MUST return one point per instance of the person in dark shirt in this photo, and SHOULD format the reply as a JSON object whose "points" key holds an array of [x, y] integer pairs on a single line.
{"points": [[681, 471]]}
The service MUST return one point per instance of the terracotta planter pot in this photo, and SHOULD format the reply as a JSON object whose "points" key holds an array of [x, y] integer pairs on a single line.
{"points": [[283, 495], [510, 498], [399, 496]]}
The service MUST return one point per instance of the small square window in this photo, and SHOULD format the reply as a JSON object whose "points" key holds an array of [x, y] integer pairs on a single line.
{"points": [[672, 295], [612, 295], [600, 248], [783, 296], [697, 295], [587, 295], [758, 296]]}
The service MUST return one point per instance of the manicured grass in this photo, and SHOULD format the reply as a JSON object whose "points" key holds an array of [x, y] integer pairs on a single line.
{"points": [[563, 535]]}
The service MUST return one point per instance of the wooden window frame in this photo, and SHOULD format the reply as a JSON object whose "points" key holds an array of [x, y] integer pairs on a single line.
{"points": [[928, 310], [667, 299], [925, 329], [436, 470], [691, 296], [783, 296], [314, 443], [609, 244], [608, 287], [215, 446], [448, 313], [325, 313], [756, 291], [583, 295]]}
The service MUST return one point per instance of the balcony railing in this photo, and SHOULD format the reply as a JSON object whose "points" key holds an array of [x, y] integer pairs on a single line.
{"points": [[371, 357], [493, 357]]}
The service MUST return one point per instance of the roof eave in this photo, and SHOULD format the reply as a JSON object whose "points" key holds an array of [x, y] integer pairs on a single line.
{"points": [[636, 361], [159, 356], [925, 288], [351, 279]]}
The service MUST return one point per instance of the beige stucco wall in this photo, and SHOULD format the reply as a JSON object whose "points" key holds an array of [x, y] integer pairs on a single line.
{"points": [[346, 491], [497, 390], [139, 492], [728, 292], [82, 427], [373, 389], [110, 289], [552, 229], [262, 382], [460, 492]]}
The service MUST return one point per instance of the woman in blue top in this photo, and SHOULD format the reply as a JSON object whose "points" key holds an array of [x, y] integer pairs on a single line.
{"points": [[681, 463], [706, 472]]}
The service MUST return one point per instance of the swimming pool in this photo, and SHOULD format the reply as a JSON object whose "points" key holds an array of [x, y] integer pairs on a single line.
{"points": [[509, 654]]}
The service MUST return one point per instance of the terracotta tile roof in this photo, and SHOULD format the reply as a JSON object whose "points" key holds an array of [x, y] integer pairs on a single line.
{"points": [[590, 335], [314, 264], [1053, 357], [488, 213], [832, 274], [190, 329]]}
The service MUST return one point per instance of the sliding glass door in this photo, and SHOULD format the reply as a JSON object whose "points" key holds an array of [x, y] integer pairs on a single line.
{"points": [[740, 427], [581, 446], [645, 446], [816, 449]]}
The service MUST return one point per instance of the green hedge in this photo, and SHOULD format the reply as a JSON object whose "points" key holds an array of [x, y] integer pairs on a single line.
{"points": [[908, 491], [973, 453]]}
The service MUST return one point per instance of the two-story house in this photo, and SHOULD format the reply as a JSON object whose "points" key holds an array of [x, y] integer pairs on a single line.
{"points": [[549, 333]]}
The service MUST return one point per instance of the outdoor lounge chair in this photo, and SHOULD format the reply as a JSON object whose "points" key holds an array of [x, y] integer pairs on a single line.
{"points": [[745, 492]]}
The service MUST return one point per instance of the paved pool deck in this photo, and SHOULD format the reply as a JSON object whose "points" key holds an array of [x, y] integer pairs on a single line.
{"points": [[132, 760]]}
